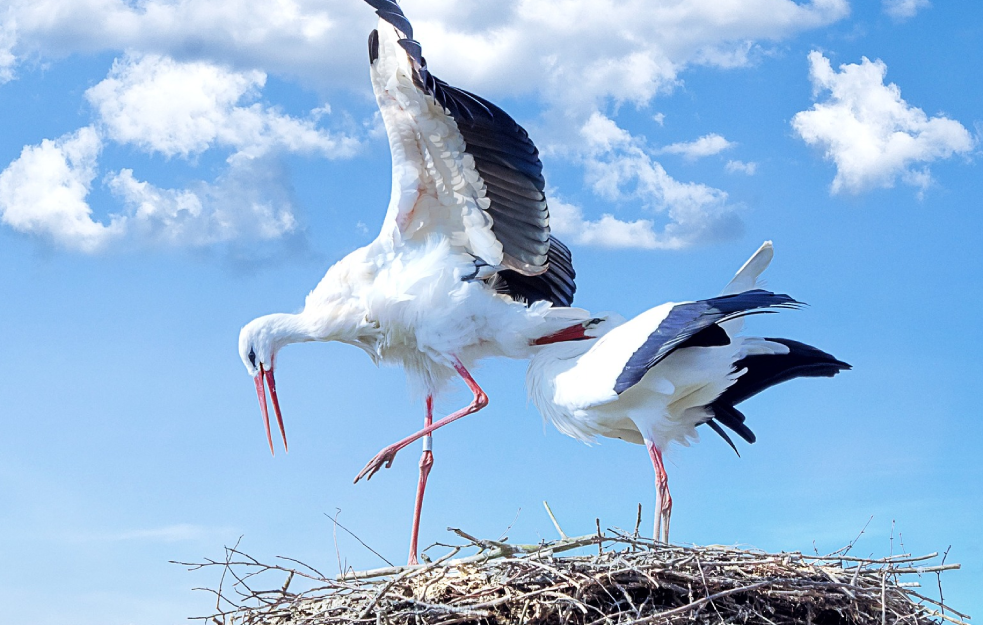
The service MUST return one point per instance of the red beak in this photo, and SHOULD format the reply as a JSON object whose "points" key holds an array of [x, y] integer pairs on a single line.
{"points": [[261, 395], [573, 333]]}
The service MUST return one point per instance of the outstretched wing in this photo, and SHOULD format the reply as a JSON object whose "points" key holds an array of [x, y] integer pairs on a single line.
{"points": [[462, 167]]}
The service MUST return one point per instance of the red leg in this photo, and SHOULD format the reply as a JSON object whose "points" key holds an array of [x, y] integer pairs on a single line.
{"points": [[386, 456], [663, 500], [426, 463]]}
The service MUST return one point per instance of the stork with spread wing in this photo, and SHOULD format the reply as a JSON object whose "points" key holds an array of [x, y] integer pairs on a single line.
{"points": [[464, 267]]}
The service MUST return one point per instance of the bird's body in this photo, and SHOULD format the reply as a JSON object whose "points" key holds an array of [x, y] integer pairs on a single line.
{"points": [[654, 379], [464, 267], [414, 309]]}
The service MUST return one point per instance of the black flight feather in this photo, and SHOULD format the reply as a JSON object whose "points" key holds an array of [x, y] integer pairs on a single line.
{"points": [[723, 434], [557, 285], [766, 370]]}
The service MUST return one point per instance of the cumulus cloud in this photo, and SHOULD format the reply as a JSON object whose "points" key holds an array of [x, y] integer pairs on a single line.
{"points": [[871, 134], [8, 38], [43, 192], [162, 105], [901, 10], [626, 50], [306, 39], [583, 51], [248, 202], [581, 58], [567, 221], [172, 108], [619, 169], [707, 145], [740, 167]]}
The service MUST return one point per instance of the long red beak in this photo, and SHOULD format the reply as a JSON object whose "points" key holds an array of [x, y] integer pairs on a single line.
{"points": [[261, 395], [573, 333]]}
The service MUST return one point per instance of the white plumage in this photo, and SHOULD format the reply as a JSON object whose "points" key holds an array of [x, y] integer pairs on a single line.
{"points": [[632, 383], [463, 268]]}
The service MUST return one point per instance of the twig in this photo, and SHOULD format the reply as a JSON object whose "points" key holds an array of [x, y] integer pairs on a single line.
{"points": [[846, 550], [938, 575], [350, 533], [553, 518], [505, 534]]}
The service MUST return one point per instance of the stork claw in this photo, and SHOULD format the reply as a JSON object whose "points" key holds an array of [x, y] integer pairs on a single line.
{"points": [[384, 457]]}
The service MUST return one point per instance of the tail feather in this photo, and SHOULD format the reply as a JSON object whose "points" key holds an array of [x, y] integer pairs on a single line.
{"points": [[767, 370], [733, 419]]}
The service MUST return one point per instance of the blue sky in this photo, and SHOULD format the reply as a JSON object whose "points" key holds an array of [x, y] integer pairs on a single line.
{"points": [[170, 170]]}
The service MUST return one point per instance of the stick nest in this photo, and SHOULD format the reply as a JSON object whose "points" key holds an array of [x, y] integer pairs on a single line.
{"points": [[623, 579]]}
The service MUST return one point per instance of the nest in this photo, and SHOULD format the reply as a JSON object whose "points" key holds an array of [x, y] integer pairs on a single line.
{"points": [[616, 579]]}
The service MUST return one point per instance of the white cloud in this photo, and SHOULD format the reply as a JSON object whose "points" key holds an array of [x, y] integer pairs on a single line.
{"points": [[8, 37], [707, 145], [735, 167], [248, 202], [870, 133], [901, 10], [44, 192], [583, 51], [174, 108], [626, 50], [580, 57], [297, 38], [619, 169], [567, 221]]}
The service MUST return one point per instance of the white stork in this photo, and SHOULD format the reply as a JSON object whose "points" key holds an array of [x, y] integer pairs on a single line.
{"points": [[464, 267], [652, 380]]}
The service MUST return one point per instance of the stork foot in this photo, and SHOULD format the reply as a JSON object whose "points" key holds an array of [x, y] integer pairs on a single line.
{"points": [[383, 458]]}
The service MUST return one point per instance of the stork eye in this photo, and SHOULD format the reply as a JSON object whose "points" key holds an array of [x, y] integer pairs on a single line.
{"points": [[252, 356]]}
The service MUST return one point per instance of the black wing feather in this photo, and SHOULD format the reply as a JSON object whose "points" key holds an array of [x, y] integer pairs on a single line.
{"points": [[685, 321], [557, 285], [505, 157], [765, 371]]}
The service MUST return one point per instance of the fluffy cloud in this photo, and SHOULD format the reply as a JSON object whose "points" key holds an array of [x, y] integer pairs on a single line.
{"points": [[707, 145], [44, 192], [567, 221], [619, 169], [903, 9], [298, 38], [174, 108], [870, 133], [8, 38], [249, 202], [626, 50], [581, 58], [735, 167]]}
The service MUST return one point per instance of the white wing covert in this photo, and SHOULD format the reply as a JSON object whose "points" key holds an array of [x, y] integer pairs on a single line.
{"points": [[462, 167]]}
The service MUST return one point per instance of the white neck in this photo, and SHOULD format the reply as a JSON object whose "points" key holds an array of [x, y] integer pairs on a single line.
{"points": [[283, 329]]}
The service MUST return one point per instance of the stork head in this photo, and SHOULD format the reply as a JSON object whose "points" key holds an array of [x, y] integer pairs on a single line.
{"points": [[258, 343]]}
